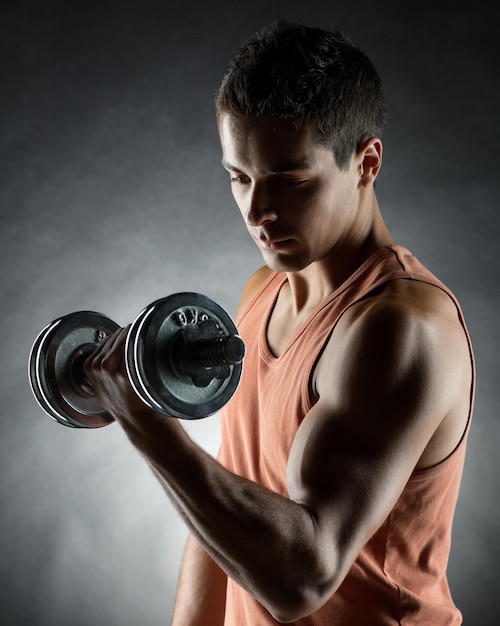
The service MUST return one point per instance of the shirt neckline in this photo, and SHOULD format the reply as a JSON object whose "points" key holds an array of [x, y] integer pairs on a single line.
{"points": [[266, 351]]}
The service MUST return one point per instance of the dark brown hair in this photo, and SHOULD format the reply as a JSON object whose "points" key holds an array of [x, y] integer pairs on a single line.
{"points": [[291, 71]]}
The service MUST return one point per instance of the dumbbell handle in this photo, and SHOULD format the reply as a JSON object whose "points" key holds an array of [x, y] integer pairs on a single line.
{"points": [[78, 368], [189, 354], [212, 352]]}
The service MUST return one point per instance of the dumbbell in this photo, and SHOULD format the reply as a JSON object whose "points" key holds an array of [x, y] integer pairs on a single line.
{"points": [[183, 358]]}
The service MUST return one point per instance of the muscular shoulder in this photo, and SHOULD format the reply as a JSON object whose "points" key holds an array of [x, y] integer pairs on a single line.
{"points": [[398, 365], [253, 285], [408, 330], [401, 305]]}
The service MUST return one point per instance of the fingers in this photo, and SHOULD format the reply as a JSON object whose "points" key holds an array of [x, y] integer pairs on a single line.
{"points": [[109, 356], [106, 370]]}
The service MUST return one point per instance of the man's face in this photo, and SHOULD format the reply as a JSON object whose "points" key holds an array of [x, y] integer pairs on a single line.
{"points": [[297, 205]]}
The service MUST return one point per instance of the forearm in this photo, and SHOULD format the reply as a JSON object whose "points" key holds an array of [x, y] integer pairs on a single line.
{"points": [[265, 542], [201, 593], [273, 555]]}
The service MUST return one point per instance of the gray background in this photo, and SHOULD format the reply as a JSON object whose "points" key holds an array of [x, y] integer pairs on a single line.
{"points": [[112, 195]]}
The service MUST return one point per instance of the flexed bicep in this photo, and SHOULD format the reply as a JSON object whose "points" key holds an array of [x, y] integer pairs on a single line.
{"points": [[386, 382]]}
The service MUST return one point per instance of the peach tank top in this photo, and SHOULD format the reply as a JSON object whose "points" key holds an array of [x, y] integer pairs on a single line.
{"points": [[399, 578]]}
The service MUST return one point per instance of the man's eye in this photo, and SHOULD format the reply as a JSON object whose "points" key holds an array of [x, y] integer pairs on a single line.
{"points": [[239, 179], [292, 182]]}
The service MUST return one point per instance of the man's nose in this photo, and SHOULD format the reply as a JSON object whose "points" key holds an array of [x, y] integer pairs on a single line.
{"points": [[259, 207]]}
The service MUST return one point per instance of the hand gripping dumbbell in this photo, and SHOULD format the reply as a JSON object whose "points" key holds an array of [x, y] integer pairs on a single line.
{"points": [[183, 357]]}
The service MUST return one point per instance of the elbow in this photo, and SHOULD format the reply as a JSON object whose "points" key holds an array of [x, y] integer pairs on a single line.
{"points": [[301, 603], [305, 577], [302, 597]]}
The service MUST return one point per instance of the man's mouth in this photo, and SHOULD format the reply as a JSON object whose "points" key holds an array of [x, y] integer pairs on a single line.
{"points": [[276, 243]]}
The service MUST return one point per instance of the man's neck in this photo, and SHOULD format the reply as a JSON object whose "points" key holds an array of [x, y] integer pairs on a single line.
{"points": [[310, 286]]}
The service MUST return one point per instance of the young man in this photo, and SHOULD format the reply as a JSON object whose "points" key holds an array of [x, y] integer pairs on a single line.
{"points": [[342, 450]]}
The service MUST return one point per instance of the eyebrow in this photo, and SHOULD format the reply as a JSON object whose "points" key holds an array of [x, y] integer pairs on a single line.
{"points": [[228, 166], [291, 166]]}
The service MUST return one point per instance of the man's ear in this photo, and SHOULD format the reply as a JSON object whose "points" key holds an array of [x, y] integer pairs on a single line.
{"points": [[369, 156]]}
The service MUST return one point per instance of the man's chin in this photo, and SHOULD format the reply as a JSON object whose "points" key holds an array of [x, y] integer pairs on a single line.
{"points": [[284, 263]]}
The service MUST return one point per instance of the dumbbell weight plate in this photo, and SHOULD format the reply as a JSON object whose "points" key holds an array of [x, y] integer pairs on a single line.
{"points": [[149, 356], [51, 374]]}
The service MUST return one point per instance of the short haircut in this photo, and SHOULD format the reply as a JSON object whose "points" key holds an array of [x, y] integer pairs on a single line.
{"points": [[307, 75]]}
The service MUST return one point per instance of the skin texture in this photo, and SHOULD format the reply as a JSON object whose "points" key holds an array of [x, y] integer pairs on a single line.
{"points": [[354, 452]]}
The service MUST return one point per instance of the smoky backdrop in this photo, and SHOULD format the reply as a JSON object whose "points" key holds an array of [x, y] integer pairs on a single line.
{"points": [[112, 195]]}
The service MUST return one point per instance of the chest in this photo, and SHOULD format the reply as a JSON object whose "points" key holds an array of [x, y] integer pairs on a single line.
{"points": [[284, 323]]}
